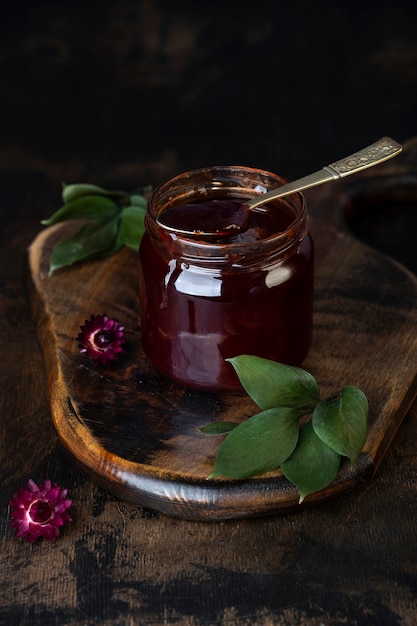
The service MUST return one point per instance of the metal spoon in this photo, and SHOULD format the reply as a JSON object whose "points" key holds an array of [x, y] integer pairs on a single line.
{"points": [[227, 217]]}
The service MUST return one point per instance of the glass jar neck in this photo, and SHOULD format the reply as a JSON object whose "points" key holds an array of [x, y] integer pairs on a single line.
{"points": [[227, 182]]}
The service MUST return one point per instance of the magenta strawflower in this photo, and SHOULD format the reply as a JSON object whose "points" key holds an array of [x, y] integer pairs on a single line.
{"points": [[101, 338], [39, 511]]}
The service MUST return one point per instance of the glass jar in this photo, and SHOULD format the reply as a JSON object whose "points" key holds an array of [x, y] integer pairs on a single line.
{"points": [[204, 300]]}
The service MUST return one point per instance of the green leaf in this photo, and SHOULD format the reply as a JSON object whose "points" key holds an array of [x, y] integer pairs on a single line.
{"points": [[88, 207], [79, 190], [138, 200], [342, 422], [272, 384], [132, 226], [218, 428], [92, 240], [258, 445], [313, 465]]}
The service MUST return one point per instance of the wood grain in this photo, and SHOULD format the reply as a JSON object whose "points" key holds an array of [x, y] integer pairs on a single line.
{"points": [[136, 433]]}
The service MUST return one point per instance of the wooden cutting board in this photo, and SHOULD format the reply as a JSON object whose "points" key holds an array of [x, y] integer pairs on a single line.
{"points": [[136, 434]]}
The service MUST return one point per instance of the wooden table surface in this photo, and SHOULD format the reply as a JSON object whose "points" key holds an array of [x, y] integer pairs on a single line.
{"points": [[120, 98]]}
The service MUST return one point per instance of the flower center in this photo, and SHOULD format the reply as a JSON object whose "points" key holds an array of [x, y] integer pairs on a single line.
{"points": [[102, 339], [40, 512]]}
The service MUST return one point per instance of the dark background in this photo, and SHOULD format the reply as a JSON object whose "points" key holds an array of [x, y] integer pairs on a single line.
{"points": [[129, 93]]}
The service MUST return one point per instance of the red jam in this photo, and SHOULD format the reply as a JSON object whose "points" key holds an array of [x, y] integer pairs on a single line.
{"points": [[203, 301], [216, 217]]}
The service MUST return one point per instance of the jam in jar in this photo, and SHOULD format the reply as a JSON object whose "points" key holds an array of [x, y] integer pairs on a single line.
{"points": [[205, 299]]}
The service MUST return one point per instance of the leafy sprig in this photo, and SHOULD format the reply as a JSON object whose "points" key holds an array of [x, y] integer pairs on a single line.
{"points": [[309, 455], [111, 220]]}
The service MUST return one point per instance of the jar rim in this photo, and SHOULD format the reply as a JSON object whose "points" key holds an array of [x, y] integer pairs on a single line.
{"points": [[188, 185]]}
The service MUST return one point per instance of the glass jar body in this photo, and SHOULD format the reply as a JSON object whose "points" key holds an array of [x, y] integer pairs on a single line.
{"points": [[203, 302]]}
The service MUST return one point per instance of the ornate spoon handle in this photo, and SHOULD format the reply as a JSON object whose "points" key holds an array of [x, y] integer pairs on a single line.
{"points": [[377, 152]]}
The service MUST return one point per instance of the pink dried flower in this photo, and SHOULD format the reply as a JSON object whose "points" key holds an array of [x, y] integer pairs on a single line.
{"points": [[101, 338], [39, 511]]}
